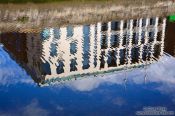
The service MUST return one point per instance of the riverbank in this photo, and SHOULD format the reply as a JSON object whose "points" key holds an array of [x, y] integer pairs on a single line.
{"points": [[35, 16], [77, 1]]}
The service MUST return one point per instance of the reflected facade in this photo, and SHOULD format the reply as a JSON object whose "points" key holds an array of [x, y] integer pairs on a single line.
{"points": [[65, 53], [170, 43]]}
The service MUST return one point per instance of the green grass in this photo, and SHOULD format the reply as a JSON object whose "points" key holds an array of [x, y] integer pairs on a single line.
{"points": [[25, 1], [172, 18], [23, 19], [45, 1], [52, 1]]}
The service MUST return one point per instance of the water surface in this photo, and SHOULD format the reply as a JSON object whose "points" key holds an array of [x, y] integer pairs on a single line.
{"points": [[112, 68]]}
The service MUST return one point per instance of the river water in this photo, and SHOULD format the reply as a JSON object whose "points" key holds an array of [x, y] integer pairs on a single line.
{"points": [[117, 68]]}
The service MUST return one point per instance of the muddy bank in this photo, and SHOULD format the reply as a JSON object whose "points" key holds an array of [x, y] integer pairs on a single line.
{"points": [[34, 18]]}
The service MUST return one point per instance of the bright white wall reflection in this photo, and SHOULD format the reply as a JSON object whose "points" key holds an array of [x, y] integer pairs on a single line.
{"points": [[72, 51]]}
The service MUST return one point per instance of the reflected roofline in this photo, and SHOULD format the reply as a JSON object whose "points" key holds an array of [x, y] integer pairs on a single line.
{"points": [[57, 80]]}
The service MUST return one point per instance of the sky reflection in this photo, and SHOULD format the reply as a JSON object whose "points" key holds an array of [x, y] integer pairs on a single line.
{"points": [[89, 96], [10, 71], [29, 61]]}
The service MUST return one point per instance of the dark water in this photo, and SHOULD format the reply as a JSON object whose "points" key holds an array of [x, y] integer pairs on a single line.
{"points": [[115, 68]]}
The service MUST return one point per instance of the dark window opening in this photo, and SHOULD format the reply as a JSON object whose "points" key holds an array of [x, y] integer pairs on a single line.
{"points": [[104, 42], [114, 41], [60, 68], [104, 27], [112, 59], [122, 56], [135, 54], [115, 25], [73, 65], [102, 61], [157, 50]]}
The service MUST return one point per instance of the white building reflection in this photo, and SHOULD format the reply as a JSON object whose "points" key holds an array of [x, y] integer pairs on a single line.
{"points": [[69, 52]]}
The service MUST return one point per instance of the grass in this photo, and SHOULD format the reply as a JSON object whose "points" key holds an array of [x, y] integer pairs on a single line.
{"points": [[46, 1], [172, 18], [26, 1], [31, 15], [23, 19], [77, 1], [59, 4]]}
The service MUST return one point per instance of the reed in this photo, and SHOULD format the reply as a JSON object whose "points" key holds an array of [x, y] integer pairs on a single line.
{"points": [[81, 1], [71, 12]]}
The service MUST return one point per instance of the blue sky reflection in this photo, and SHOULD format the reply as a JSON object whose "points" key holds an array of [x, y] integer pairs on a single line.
{"points": [[102, 95]]}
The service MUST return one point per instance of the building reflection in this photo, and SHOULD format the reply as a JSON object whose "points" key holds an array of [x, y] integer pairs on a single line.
{"points": [[58, 54], [170, 43]]}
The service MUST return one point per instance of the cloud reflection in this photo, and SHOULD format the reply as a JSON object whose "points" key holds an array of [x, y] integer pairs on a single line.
{"points": [[32, 109], [160, 72]]}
